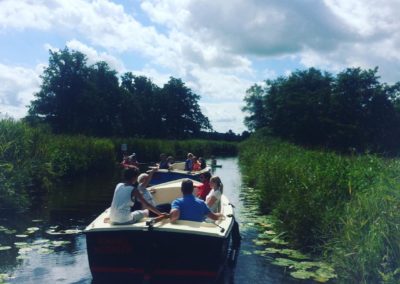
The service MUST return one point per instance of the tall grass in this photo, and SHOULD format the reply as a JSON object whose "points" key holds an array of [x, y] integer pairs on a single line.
{"points": [[346, 208], [31, 159]]}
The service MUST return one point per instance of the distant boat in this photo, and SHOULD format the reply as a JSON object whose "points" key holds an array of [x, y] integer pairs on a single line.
{"points": [[177, 171], [155, 249]]}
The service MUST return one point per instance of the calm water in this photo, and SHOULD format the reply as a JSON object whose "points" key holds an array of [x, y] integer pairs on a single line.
{"points": [[39, 255]]}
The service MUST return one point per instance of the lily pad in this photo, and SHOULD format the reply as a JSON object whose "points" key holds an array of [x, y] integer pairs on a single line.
{"points": [[45, 251], [24, 250], [41, 241], [5, 248], [21, 244], [303, 265], [21, 236], [294, 253], [59, 243], [245, 252], [260, 242], [302, 274], [33, 229], [279, 241], [272, 250], [283, 261], [325, 272]]}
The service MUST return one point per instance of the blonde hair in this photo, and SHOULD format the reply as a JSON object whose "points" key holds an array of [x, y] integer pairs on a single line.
{"points": [[218, 182]]}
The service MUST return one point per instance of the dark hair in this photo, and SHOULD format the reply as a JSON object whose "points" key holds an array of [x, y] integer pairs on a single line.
{"points": [[187, 186], [206, 175], [130, 173]]}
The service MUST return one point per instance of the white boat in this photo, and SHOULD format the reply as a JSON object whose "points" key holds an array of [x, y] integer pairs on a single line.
{"points": [[157, 249], [177, 171]]}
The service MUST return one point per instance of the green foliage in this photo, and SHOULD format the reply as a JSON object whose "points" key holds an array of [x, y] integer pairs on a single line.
{"points": [[344, 207], [350, 111], [77, 98], [31, 159]]}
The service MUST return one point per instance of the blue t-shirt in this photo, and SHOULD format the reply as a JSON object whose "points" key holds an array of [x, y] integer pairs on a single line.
{"points": [[191, 208]]}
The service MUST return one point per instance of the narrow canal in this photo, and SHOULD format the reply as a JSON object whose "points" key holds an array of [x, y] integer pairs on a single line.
{"points": [[46, 245]]}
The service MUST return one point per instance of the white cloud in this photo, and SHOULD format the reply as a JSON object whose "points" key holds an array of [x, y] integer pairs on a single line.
{"points": [[94, 56], [17, 86], [224, 116], [215, 46]]}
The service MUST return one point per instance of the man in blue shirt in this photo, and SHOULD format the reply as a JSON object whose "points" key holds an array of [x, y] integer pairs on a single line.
{"points": [[189, 207]]}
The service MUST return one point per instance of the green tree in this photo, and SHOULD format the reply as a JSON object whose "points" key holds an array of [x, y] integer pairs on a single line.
{"points": [[181, 115], [255, 106], [145, 103], [63, 83]]}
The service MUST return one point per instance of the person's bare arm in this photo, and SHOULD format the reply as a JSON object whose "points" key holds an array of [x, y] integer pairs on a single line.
{"points": [[174, 215], [210, 202], [150, 173], [215, 216], [140, 197]]}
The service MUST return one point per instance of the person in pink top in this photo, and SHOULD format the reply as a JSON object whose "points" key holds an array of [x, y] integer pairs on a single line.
{"points": [[205, 188]]}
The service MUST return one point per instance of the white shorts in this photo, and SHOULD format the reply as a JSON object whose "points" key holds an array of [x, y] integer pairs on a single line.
{"points": [[136, 216]]}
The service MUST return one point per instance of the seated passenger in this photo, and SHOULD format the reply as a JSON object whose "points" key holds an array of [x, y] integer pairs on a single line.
{"points": [[196, 166], [144, 181], [189, 207], [189, 162], [203, 163], [204, 188], [213, 199], [170, 160], [130, 161], [124, 198], [163, 162]]}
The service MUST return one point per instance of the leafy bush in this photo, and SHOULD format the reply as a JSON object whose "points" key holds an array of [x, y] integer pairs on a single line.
{"points": [[346, 207]]}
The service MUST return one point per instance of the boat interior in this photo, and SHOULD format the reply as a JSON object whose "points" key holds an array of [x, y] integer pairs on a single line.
{"points": [[166, 193]]}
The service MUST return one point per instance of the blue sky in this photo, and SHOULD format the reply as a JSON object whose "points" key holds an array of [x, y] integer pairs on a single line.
{"points": [[218, 48]]}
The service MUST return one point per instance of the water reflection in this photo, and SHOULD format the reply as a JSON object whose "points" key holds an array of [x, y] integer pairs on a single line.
{"points": [[72, 205]]}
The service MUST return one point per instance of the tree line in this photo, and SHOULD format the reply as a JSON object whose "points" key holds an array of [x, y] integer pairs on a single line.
{"points": [[351, 111], [78, 98]]}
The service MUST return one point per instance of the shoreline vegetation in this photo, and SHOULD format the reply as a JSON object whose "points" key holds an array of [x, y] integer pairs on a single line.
{"points": [[33, 160], [344, 209]]}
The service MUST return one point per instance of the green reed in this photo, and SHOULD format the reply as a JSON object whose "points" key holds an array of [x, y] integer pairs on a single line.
{"points": [[32, 159], [344, 207]]}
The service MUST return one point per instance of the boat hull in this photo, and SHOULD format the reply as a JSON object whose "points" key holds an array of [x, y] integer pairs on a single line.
{"points": [[162, 256]]}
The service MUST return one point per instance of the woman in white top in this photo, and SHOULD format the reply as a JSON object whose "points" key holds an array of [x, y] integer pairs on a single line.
{"points": [[124, 195], [213, 199]]}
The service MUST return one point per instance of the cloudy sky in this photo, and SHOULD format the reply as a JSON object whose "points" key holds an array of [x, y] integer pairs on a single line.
{"points": [[218, 48]]}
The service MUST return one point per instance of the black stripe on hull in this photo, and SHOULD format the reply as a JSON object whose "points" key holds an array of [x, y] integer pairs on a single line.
{"points": [[138, 255]]}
